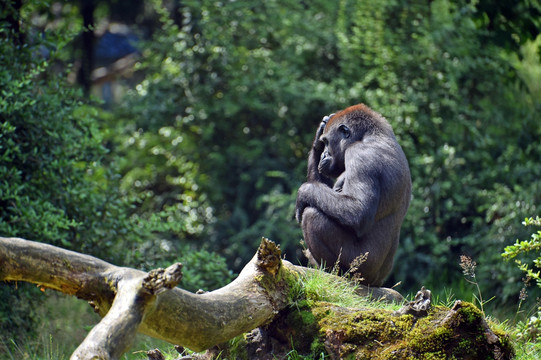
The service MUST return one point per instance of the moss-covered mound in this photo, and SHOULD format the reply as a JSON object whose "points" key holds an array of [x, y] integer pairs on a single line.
{"points": [[313, 329]]}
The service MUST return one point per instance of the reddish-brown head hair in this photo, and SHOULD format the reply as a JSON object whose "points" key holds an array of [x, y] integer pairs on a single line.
{"points": [[360, 116]]}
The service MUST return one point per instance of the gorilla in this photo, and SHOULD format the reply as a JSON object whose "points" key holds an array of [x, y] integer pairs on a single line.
{"points": [[357, 193]]}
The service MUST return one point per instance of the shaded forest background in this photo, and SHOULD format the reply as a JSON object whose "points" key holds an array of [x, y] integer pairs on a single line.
{"points": [[149, 132]]}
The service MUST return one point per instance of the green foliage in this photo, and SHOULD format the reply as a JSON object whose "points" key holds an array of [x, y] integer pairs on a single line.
{"points": [[202, 269], [229, 99], [510, 23], [433, 73], [528, 332], [524, 247]]}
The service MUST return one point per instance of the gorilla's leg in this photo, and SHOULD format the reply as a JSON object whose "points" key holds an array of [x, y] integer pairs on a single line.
{"points": [[324, 238], [327, 241]]}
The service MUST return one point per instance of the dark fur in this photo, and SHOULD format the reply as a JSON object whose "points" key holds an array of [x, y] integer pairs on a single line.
{"points": [[357, 193]]}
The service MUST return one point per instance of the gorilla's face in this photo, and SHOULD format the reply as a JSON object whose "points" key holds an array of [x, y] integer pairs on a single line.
{"points": [[336, 139]]}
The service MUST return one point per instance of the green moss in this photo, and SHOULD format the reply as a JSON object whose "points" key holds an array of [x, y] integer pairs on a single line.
{"points": [[358, 333], [470, 314], [307, 317], [317, 347], [437, 355], [362, 325], [427, 337], [279, 287], [376, 334]]}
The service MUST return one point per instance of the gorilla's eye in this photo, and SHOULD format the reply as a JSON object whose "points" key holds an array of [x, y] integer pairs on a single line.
{"points": [[344, 130]]}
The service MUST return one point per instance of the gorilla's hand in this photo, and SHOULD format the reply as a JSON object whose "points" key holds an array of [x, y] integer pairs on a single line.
{"points": [[318, 144], [323, 123]]}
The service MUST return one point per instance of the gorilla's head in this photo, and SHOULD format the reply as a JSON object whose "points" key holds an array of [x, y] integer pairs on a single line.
{"points": [[349, 126]]}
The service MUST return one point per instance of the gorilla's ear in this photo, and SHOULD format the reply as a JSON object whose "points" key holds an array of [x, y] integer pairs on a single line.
{"points": [[345, 131]]}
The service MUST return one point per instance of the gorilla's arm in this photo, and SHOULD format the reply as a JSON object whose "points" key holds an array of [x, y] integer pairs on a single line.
{"points": [[346, 208], [357, 203], [313, 174]]}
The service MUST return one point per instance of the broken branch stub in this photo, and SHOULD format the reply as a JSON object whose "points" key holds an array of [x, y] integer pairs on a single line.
{"points": [[268, 256], [159, 280]]}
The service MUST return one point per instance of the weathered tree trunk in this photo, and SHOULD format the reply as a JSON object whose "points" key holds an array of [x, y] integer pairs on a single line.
{"points": [[133, 301]]}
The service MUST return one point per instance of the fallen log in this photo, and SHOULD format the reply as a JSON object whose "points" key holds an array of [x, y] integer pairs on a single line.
{"points": [[197, 321], [131, 301]]}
